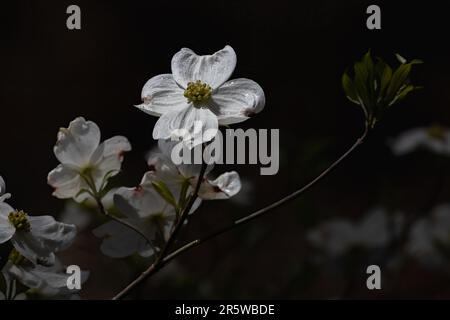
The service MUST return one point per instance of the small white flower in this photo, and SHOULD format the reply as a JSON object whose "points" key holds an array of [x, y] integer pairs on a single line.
{"points": [[430, 236], [338, 236], [147, 211], [163, 169], [435, 139], [43, 282], [197, 92], [36, 238], [85, 162]]}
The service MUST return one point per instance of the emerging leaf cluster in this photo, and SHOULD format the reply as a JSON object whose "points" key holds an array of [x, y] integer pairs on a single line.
{"points": [[376, 86]]}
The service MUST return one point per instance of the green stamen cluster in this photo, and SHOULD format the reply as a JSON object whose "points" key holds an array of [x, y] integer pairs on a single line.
{"points": [[198, 92], [15, 257], [436, 132], [19, 220]]}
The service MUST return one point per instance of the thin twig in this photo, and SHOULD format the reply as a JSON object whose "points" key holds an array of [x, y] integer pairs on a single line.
{"points": [[159, 262]]}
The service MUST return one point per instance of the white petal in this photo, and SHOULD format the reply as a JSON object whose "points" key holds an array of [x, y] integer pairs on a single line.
{"points": [[213, 70], [2, 186], [237, 100], [224, 187], [116, 146], [409, 141], [76, 144], [33, 250], [66, 181], [161, 169], [373, 230], [161, 94], [192, 125], [3, 194], [120, 241], [7, 230], [335, 237], [189, 168], [55, 235], [76, 214], [139, 202], [46, 236]]}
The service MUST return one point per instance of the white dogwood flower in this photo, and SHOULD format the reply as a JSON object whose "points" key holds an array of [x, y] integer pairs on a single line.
{"points": [[434, 138], [196, 98], [162, 168], [34, 237], [86, 164]]}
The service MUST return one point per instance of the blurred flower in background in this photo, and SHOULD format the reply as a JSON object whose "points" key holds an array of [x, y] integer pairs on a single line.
{"points": [[339, 236], [435, 138], [429, 240]]}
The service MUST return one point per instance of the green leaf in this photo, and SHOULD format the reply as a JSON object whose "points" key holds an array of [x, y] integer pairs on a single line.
{"points": [[405, 91], [386, 76], [183, 198], [360, 82], [398, 80], [349, 88], [164, 192], [370, 69]]}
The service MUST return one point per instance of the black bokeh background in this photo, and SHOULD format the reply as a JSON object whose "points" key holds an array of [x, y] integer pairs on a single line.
{"points": [[297, 51]]}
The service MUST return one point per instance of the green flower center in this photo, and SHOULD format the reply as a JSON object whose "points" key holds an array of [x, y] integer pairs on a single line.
{"points": [[436, 132], [198, 92], [19, 220], [15, 257]]}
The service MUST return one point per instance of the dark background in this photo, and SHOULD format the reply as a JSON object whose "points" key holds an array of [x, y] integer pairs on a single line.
{"points": [[297, 51]]}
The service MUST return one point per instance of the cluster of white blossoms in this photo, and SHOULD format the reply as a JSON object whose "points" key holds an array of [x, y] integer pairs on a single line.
{"points": [[425, 239], [32, 261], [142, 218]]}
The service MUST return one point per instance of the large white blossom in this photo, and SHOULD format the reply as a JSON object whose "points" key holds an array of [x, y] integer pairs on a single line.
{"points": [[85, 162], [434, 138], [196, 98], [338, 236], [35, 237]]}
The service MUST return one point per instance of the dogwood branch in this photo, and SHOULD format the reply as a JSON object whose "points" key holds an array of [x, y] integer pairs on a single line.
{"points": [[270, 207], [164, 259], [159, 262]]}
